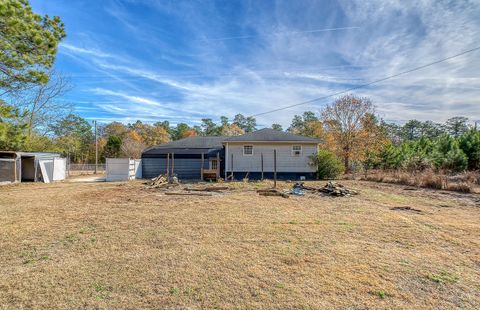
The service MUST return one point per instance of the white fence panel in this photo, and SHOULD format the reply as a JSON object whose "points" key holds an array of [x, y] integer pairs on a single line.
{"points": [[122, 169], [59, 169], [46, 167], [138, 168]]}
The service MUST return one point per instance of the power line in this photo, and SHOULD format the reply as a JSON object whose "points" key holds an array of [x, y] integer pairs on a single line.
{"points": [[368, 84], [280, 33]]}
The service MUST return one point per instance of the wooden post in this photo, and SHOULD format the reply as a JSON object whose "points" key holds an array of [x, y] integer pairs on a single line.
{"points": [[96, 148], [231, 169], [218, 165], [168, 166], [274, 168], [201, 169], [173, 164], [226, 162], [261, 157], [15, 169], [68, 164]]}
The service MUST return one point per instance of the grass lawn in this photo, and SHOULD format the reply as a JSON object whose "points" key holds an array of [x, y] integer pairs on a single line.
{"points": [[117, 245]]}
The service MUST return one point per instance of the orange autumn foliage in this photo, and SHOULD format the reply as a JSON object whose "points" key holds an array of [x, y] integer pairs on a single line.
{"points": [[189, 133]]}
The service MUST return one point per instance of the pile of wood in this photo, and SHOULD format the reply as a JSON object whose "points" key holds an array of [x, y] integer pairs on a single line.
{"points": [[272, 192], [330, 189], [162, 181], [337, 189]]}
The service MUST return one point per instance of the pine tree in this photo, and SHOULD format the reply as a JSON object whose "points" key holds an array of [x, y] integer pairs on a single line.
{"points": [[28, 44]]}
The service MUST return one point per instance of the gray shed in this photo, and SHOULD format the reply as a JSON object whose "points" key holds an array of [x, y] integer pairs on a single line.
{"points": [[26, 166], [188, 154]]}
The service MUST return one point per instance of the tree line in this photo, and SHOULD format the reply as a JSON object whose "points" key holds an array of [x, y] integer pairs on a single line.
{"points": [[354, 138], [130, 140]]}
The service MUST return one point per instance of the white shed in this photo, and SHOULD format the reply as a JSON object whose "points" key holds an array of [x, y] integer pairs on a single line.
{"points": [[31, 167], [123, 169]]}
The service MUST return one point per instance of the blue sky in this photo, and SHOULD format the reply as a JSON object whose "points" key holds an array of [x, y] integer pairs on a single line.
{"points": [[181, 61]]}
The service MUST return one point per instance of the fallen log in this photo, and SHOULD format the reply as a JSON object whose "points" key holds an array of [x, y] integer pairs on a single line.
{"points": [[265, 190], [272, 192], [188, 194], [406, 209], [207, 189]]}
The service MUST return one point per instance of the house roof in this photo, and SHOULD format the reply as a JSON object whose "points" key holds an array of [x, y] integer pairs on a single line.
{"points": [[197, 142], [210, 143], [270, 135]]}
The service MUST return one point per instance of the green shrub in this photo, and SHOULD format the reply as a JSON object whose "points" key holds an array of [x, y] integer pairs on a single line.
{"points": [[469, 143], [448, 155], [328, 165], [112, 149]]}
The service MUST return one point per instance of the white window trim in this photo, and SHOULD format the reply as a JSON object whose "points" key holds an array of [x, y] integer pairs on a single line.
{"points": [[243, 150], [293, 151]]}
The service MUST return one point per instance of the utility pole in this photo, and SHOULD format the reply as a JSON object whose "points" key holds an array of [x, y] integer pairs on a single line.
{"points": [[274, 168], [96, 147]]}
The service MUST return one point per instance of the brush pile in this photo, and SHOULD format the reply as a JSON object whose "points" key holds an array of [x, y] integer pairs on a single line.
{"points": [[330, 189]]}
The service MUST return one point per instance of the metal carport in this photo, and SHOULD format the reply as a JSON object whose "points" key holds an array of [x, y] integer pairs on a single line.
{"points": [[187, 156]]}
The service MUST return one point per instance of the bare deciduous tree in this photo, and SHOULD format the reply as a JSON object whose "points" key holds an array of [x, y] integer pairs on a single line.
{"points": [[344, 121], [132, 147], [43, 103]]}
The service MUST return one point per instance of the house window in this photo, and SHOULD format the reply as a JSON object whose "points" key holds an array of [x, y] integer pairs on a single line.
{"points": [[248, 150], [296, 150]]}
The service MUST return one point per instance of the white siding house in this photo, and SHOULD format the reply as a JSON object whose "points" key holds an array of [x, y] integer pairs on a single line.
{"points": [[288, 160], [235, 157], [243, 154]]}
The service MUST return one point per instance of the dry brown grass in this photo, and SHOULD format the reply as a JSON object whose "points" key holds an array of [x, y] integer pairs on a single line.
{"points": [[465, 182], [431, 180], [110, 245], [459, 187]]}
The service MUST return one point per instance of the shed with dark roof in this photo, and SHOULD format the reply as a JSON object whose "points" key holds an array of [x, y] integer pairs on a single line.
{"points": [[187, 156]]}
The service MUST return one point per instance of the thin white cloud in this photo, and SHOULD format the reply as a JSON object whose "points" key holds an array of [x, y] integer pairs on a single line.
{"points": [[85, 51], [284, 33]]}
